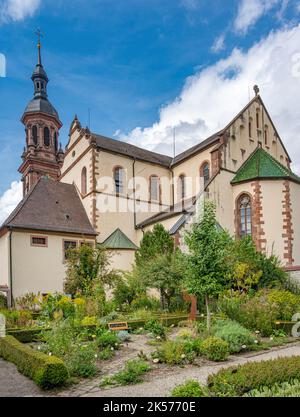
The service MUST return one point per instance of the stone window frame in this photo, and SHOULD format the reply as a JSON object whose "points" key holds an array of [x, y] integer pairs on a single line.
{"points": [[39, 245], [123, 186], [64, 249], [158, 199], [181, 192], [83, 181], [238, 215], [205, 163]]}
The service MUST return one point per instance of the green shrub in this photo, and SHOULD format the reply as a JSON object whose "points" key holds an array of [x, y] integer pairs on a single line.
{"points": [[215, 349], [3, 301], [106, 354], [156, 328], [285, 389], [190, 389], [123, 336], [81, 361], [26, 335], [176, 352], [287, 303], [17, 318], [107, 339], [131, 374], [46, 371], [185, 334], [234, 334], [238, 380]]}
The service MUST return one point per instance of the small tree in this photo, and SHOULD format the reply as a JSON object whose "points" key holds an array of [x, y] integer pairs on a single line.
{"points": [[165, 273], [206, 268], [87, 270], [155, 243]]}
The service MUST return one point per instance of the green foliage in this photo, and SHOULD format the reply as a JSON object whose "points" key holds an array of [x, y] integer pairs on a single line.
{"points": [[260, 270], [17, 318], [66, 341], [87, 270], [215, 349], [29, 301], [3, 301], [155, 328], [81, 360], [237, 381], [287, 303], [177, 352], [190, 389], [285, 389], [234, 334], [131, 374], [128, 289], [106, 354], [165, 273], [46, 371], [107, 339], [154, 243], [123, 336]]}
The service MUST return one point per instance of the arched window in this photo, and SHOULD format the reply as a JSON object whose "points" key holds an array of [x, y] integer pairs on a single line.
{"points": [[83, 181], [119, 179], [154, 188], [244, 215], [181, 187], [205, 172], [46, 136], [250, 128], [257, 119], [34, 135]]}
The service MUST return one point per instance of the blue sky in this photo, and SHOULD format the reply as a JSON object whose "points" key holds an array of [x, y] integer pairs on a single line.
{"points": [[129, 61]]}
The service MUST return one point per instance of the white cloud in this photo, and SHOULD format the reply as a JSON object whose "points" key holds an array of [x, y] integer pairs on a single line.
{"points": [[212, 97], [9, 200], [250, 11], [15, 10], [219, 44]]}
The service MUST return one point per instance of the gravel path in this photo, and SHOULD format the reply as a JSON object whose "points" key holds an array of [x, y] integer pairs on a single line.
{"points": [[14, 384], [154, 387], [158, 383]]}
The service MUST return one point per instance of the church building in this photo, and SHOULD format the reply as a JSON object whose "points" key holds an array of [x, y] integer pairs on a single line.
{"points": [[101, 190]]}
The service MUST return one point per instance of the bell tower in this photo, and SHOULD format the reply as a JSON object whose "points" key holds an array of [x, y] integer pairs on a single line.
{"points": [[41, 156]]}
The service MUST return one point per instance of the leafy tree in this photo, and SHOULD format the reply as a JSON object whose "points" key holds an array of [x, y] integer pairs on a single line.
{"points": [[165, 273], [206, 270], [128, 288], [87, 270], [154, 243]]}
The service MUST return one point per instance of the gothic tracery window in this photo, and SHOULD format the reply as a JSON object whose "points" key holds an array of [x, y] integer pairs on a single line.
{"points": [[244, 208]]}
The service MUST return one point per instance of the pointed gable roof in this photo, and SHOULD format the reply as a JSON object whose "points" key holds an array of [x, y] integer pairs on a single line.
{"points": [[51, 206], [118, 240], [261, 165]]}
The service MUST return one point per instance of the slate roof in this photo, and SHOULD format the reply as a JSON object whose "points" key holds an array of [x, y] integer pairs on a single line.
{"points": [[132, 151], [41, 105], [262, 165], [118, 240], [185, 206], [51, 206]]}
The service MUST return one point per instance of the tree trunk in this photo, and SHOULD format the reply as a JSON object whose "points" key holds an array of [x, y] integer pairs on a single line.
{"points": [[208, 316]]}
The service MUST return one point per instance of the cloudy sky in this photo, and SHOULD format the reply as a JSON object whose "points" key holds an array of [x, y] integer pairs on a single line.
{"points": [[145, 68]]}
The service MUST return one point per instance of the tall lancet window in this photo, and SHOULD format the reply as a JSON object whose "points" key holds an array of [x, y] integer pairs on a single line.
{"points": [[119, 180], [205, 172], [154, 188], [181, 187], [244, 209], [83, 181], [34, 135], [46, 136]]}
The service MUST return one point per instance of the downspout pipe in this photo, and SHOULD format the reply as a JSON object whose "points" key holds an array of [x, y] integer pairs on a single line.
{"points": [[134, 202], [10, 268]]}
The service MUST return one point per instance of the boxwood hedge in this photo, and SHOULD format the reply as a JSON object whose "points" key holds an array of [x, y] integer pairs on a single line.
{"points": [[239, 380], [46, 371]]}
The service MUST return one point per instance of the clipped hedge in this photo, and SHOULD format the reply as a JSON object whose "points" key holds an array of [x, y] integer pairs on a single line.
{"points": [[46, 371], [239, 380]]}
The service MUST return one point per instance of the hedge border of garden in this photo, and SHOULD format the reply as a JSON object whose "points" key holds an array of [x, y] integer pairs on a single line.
{"points": [[46, 371]]}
